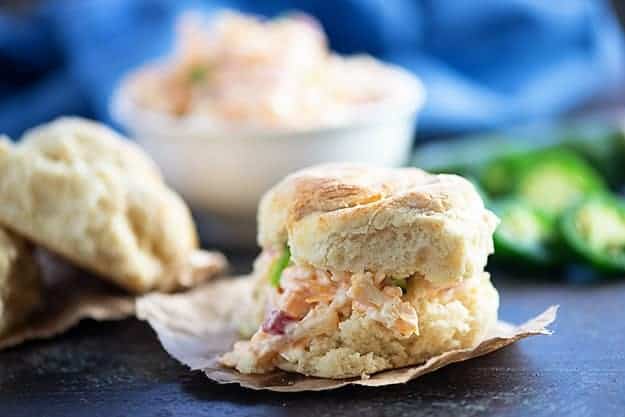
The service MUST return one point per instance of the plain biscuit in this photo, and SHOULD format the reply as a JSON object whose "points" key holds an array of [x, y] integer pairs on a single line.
{"points": [[81, 190]]}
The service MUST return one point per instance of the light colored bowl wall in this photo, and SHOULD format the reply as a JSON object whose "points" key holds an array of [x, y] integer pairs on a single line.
{"points": [[227, 175]]}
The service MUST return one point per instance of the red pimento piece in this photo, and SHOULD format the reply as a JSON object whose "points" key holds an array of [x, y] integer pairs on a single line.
{"points": [[276, 322]]}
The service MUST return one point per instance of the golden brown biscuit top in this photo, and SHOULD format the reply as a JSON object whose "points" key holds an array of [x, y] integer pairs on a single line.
{"points": [[334, 188]]}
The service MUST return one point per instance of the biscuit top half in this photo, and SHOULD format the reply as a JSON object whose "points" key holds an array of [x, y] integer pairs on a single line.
{"points": [[84, 192], [73, 141], [401, 222]]}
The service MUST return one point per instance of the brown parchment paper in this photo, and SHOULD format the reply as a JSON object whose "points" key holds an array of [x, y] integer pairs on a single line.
{"points": [[71, 295], [196, 327]]}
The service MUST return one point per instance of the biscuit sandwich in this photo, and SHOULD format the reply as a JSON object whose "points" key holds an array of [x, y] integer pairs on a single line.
{"points": [[365, 269], [84, 192]]}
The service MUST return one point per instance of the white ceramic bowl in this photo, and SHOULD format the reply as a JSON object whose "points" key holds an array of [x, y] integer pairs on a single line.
{"points": [[225, 173]]}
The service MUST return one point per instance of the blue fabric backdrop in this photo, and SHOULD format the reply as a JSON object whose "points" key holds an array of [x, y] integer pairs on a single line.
{"points": [[485, 63]]}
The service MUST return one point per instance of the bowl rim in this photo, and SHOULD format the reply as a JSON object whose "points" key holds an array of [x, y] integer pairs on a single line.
{"points": [[128, 113]]}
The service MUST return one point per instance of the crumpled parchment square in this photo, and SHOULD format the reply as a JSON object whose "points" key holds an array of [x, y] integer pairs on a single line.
{"points": [[71, 295]]}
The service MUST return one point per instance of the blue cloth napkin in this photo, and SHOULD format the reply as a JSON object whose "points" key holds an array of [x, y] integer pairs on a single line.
{"points": [[485, 63]]}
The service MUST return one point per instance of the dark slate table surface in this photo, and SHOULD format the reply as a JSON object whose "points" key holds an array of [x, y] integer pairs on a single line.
{"points": [[119, 369]]}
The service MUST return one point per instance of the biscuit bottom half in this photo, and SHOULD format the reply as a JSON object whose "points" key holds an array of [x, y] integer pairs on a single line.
{"points": [[338, 325]]}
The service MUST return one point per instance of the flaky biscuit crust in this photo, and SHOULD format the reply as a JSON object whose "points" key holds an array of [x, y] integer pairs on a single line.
{"points": [[398, 221], [82, 191]]}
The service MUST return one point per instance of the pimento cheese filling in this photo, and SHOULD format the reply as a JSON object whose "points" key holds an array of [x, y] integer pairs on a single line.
{"points": [[310, 302], [235, 70]]}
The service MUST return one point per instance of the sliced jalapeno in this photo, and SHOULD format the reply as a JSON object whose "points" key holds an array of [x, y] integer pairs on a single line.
{"points": [[278, 265], [603, 145], [595, 230], [525, 234], [499, 177], [401, 283], [198, 74], [556, 180], [551, 180]]}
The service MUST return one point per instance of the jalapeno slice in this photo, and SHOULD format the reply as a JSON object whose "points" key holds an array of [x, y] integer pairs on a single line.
{"points": [[278, 265], [500, 176], [556, 180], [603, 146], [401, 283], [525, 234], [595, 231]]}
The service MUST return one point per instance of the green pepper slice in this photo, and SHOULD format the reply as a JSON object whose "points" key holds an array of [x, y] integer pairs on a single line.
{"points": [[551, 179], [595, 231], [556, 180], [401, 283], [603, 145], [525, 234], [600, 142], [465, 155], [197, 74], [278, 265], [499, 177]]}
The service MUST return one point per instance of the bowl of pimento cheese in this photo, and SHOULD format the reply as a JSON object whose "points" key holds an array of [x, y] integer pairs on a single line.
{"points": [[243, 101]]}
